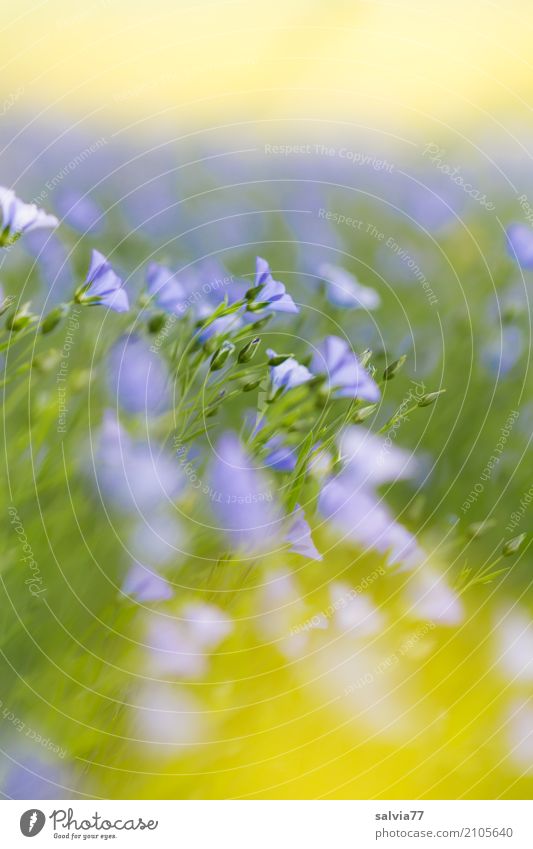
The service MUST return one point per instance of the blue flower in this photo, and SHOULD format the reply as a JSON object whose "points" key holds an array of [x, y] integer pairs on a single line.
{"points": [[272, 294], [220, 326], [137, 377], [102, 286], [353, 507], [133, 476], [430, 598], [241, 497], [520, 244], [289, 373], [347, 378], [146, 585], [503, 350], [180, 646], [279, 456], [81, 212], [31, 777], [344, 290], [18, 217], [157, 541], [166, 290], [299, 536]]}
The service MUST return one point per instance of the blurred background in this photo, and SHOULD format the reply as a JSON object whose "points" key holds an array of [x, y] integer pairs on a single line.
{"points": [[395, 63]]}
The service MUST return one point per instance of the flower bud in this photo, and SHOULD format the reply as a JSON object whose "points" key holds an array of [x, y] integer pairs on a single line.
{"points": [[80, 379], [53, 318], [246, 353], [365, 357], [257, 307], [20, 319], [476, 529], [394, 368], [6, 304], [363, 413], [252, 384], [258, 325], [211, 344], [252, 293], [220, 356], [156, 322], [278, 359], [213, 408], [511, 546], [429, 398], [46, 361]]}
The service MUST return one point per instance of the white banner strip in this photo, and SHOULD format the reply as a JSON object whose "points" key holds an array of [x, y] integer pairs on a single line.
{"points": [[269, 824]]}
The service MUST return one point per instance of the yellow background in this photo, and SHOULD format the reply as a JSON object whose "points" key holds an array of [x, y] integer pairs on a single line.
{"points": [[396, 61]]}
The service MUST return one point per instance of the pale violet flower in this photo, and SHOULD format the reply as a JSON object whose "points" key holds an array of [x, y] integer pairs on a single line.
{"points": [[371, 460], [206, 624], [180, 646], [143, 584], [220, 326], [278, 456], [272, 294], [134, 476], [241, 497], [158, 539], [354, 611], [137, 377], [361, 516], [299, 536], [513, 632], [344, 290], [289, 373], [519, 733], [243, 504], [503, 349], [31, 777], [102, 286], [167, 719], [17, 217], [166, 290], [520, 245], [350, 501], [347, 378], [171, 652], [280, 608], [431, 598]]}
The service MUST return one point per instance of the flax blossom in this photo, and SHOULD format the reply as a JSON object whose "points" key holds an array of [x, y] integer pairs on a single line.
{"points": [[347, 378], [145, 585], [137, 377], [520, 245], [299, 536], [344, 290], [36, 778], [180, 646], [241, 497], [166, 290], [278, 456], [269, 293], [102, 287], [133, 476], [289, 374], [353, 506], [18, 217]]}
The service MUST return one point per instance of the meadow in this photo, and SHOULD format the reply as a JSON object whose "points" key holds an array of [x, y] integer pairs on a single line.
{"points": [[266, 443]]}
